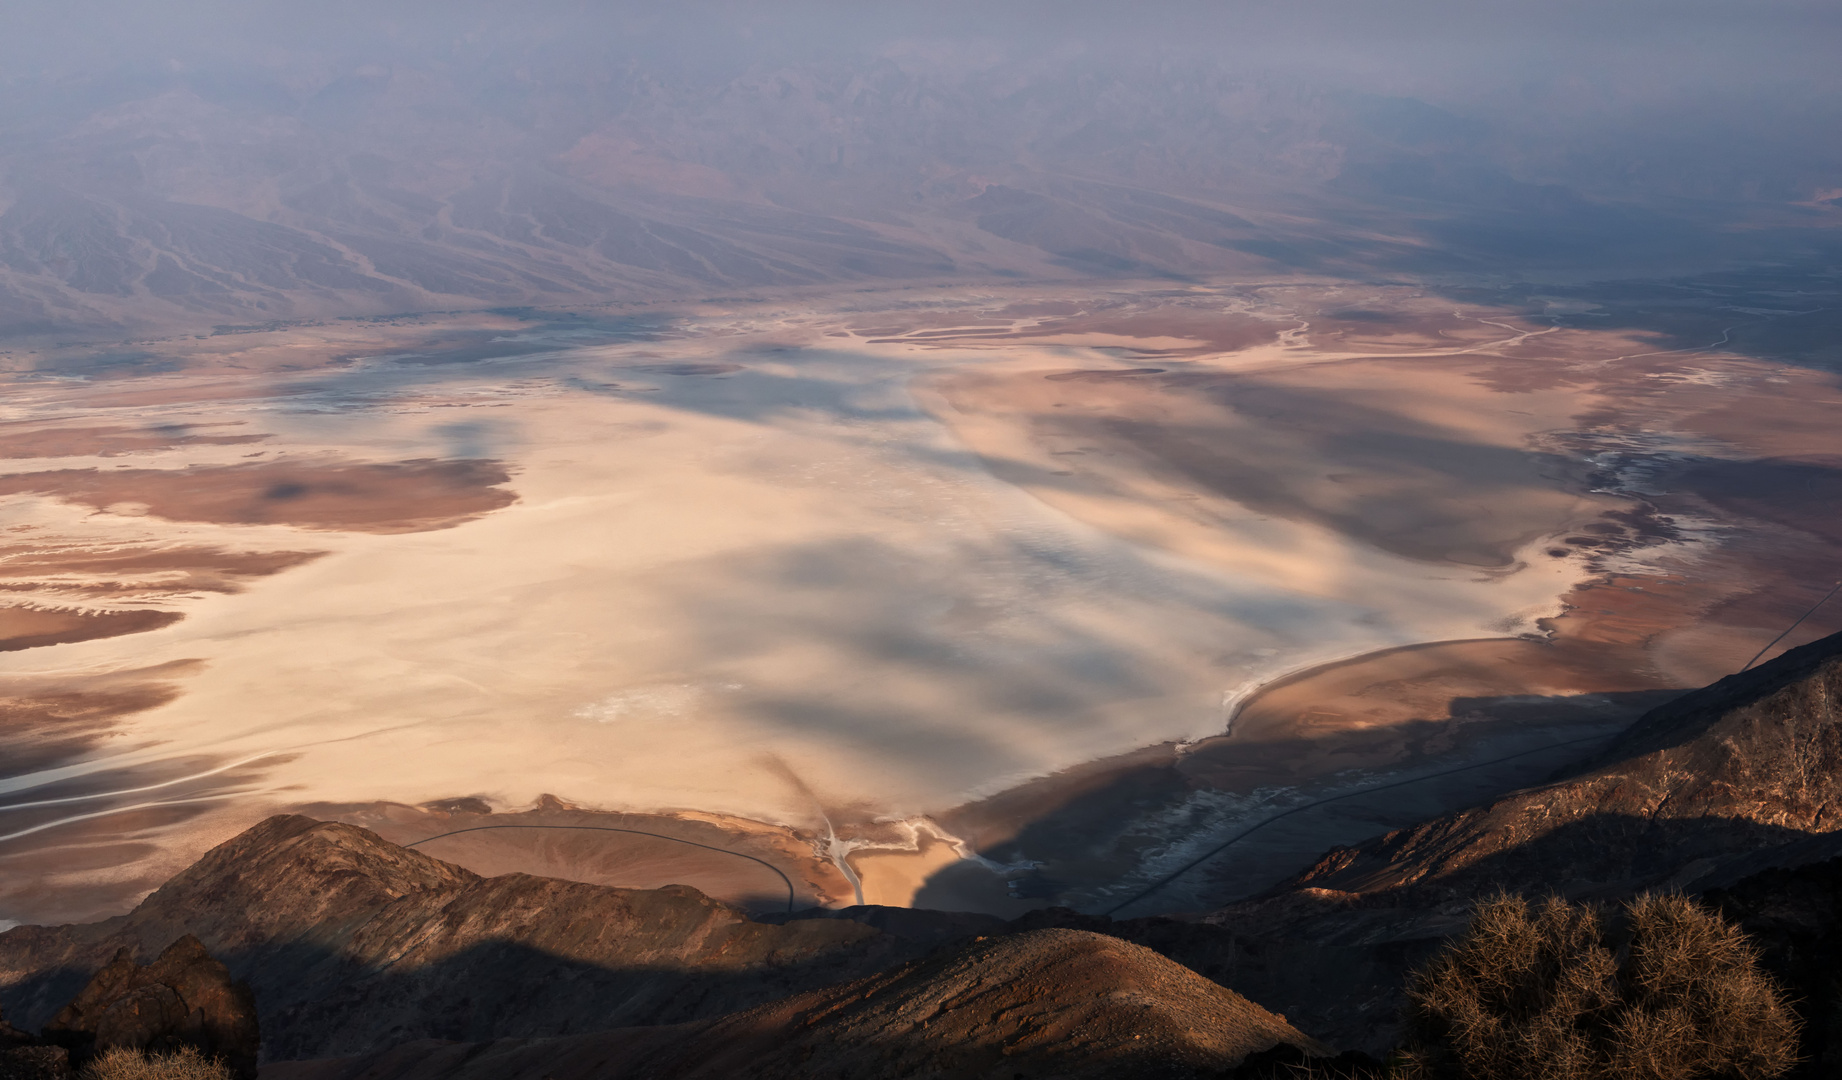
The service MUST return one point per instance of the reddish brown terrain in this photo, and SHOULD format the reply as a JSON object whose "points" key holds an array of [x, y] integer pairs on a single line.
{"points": [[31, 627], [47, 721], [404, 496]]}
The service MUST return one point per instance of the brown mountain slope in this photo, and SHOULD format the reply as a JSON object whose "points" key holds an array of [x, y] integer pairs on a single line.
{"points": [[1753, 761], [1047, 1003], [1720, 783], [351, 942]]}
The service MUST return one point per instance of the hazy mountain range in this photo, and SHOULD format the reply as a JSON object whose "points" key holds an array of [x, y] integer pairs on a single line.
{"points": [[141, 192]]}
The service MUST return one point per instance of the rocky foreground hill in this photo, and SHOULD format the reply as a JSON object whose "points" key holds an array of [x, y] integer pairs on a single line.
{"points": [[1061, 1003], [352, 944], [371, 960], [1722, 783]]}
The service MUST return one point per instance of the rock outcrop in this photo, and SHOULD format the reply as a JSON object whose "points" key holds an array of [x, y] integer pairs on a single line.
{"points": [[1044, 1003], [34, 1062], [183, 998], [350, 942], [24, 1057]]}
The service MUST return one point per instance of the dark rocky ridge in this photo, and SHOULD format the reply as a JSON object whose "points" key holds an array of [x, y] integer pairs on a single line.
{"points": [[350, 942], [1714, 786], [26, 1057], [1044, 1003], [1749, 763]]}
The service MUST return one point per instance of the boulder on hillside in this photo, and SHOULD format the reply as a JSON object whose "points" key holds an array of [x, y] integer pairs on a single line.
{"points": [[11, 1036], [184, 998], [34, 1063], [26, 1057]]}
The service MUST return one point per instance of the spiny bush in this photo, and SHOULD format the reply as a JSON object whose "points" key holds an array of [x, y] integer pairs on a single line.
{"points": [[184, 1063], [1553, 992]]}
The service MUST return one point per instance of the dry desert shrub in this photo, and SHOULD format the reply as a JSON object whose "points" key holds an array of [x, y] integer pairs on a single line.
{"points": [[1551, 992], [185, 1063]]}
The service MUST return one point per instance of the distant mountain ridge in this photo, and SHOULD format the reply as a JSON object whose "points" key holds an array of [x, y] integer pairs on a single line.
{"points": [[176, 199]]}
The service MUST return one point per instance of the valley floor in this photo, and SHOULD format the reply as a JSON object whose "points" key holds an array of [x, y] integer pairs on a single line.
{"points": [[977, 600]]}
